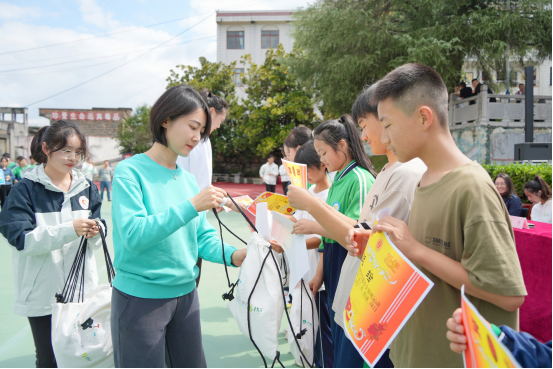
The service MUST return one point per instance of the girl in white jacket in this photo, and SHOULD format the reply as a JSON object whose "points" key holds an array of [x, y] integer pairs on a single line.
{"points": [[45, 216]]}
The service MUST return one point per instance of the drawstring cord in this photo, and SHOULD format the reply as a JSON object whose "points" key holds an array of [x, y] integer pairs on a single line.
{"points": [[230, 295]]}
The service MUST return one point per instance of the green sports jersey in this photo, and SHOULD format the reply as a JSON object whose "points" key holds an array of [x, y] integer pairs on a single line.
{"points": [[347, 193]]}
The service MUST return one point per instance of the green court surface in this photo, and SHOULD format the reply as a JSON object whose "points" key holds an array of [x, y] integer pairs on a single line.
{"points": [[224, 344]]}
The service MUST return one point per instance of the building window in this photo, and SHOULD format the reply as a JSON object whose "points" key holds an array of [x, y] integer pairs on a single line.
{"points": [[235, 39], [269, 39], [468, 77], [237, 79]]}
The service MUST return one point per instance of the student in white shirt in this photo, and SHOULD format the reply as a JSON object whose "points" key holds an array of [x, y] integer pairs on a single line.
{"points": [[539, 193], [284, 180], [200, 161], [269, 173], [317, 175]]}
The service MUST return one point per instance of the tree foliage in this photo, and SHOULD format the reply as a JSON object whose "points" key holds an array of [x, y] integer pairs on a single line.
{"points": [[133, 133], [276, 102], [346, 44], [258, 124]]}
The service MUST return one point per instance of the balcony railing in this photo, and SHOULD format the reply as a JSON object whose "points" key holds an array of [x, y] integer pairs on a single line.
{"points": [[508, 110]]}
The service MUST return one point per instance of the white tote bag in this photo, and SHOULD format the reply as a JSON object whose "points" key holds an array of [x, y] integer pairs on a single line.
{"points": [[81, 331], [305, 321], [266, 305]]}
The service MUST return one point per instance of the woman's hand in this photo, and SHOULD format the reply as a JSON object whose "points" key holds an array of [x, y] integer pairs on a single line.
{"points": [[304, 226], [276, 247], [299, 198], [237, 257], [209, 198], [83, 225], [356, 241], [456, 332]]}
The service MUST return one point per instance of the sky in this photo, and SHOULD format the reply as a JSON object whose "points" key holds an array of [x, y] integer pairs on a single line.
{"points": [[49, 46]]}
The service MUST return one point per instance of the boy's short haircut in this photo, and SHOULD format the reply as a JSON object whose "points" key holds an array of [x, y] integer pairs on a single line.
{"points": [[463, 84], [411, 86], [475, 79], [362, 107], [270, 156], [19, 158]]}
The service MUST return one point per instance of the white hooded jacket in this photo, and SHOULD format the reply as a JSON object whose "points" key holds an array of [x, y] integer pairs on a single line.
{"points": [[37, 220]]}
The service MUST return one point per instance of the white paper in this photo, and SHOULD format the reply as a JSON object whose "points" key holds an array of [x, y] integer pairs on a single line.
{"points": [[294, 246], [519, 222], [263, 221]]}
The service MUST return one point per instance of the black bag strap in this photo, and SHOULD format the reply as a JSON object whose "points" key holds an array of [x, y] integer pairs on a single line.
{"points": [[77, 272]]}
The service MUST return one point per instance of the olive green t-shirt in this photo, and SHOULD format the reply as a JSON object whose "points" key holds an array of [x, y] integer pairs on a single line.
{"points": [[463, 217]]}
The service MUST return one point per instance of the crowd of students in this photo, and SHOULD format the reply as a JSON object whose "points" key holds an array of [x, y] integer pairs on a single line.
{"points": [[446, 216]]}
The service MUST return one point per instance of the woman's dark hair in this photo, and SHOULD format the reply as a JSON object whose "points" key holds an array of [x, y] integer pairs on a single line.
{"points": [[298, 136], [174, 103], [214, 101], [361, 107], [509, 182], [333, 131], [308, 155], [538, 184], [55, 136], [4, 158]]}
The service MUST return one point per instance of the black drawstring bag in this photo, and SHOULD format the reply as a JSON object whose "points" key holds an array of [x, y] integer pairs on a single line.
{"points": [[230, 295], [77, 272]]}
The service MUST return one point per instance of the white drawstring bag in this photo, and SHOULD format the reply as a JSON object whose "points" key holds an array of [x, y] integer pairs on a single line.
{"points": [[261, 316], [305, 323], [81, 331]]}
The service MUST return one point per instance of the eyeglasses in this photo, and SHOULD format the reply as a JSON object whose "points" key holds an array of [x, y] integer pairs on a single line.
{"points": [[68, 154]]}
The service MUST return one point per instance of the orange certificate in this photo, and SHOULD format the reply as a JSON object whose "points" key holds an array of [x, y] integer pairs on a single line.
{"points": [[387, 290], [275, 202], [484, 349], [296, 172]]}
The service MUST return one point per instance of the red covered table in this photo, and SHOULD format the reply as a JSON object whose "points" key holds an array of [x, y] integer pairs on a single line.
{"points": [[534, 252]]}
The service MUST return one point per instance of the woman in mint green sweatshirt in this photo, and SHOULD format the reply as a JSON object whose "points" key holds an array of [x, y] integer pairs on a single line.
{"points": [[159, 231]]}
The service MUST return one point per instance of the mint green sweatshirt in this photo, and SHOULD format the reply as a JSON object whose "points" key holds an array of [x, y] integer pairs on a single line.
{"points": [[157, 233]]}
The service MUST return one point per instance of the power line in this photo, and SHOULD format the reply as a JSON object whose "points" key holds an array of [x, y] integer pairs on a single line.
{"points": [[126, 51], [104, 35], [119, 66], [87, 59]]}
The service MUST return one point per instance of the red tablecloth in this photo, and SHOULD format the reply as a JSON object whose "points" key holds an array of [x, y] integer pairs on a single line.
{"points": [[534, 252]]}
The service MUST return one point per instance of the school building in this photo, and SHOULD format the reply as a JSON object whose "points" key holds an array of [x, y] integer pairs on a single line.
{"points": [[251, 32]]}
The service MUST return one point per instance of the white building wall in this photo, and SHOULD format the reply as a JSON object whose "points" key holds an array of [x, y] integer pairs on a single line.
{"points": [[252, 23]]}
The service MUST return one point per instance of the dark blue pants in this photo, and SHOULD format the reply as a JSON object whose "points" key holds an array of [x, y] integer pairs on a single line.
{"points": [[324, 354], [345, 353], [107, 186]]}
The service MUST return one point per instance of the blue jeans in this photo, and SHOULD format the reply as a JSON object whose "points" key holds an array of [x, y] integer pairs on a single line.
{"points": [[107, 186]]}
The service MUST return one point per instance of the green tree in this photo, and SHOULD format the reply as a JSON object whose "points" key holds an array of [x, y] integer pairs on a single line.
{"points": [[133, 132], [346, 44], [276, 102], [257, 125]]}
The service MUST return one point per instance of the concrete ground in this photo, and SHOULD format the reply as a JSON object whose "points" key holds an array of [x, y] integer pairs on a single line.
{"points": [[224, 344]]}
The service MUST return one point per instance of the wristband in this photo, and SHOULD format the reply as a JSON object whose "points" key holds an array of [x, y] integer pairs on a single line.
{"points": [[224, 202]]}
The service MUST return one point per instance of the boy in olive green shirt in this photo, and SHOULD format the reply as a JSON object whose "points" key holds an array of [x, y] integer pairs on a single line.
{"points": [[459, 230]]}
